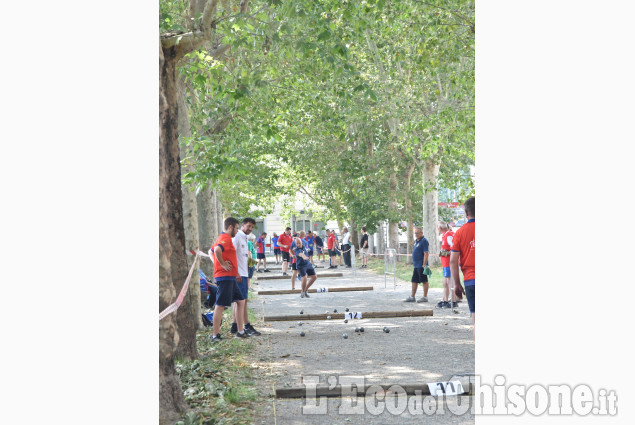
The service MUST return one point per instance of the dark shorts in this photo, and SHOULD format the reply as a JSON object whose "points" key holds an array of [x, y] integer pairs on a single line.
{"points": [[306, 270], [260, 256], [285, 256], [331, 253], [243, 286], [418, 276], [338, 252], [251, 271], [228, 293], [469, 294], [294, 266], [310, 253], [276, 251]]}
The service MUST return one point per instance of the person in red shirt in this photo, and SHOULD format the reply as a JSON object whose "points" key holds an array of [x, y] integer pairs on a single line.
{"points": [[225, 274], [284, 242], [447, 235], [463, 254], [331, 244]]}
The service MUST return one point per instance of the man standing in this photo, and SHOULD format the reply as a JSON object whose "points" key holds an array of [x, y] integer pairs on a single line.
{"points": [[319, 246], [260, 243], [242, 257], [310, 239], [463, 253], [284, 242], [304, 267], [225, 269], [446, 234], [331, 241], [419, 262], [276, 248], [346, 247], [363, 248]]}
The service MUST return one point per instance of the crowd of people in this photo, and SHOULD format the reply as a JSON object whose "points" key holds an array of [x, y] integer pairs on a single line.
{"points": [[237, 252]]}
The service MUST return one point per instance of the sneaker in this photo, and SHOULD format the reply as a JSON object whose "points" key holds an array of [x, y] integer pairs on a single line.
{"points": [[234, 328], [306, 294], [422, 300], [258, 271], [251, 330], [441, 304], [285, 274], [409, 300], [454, 304], [241, 335], [217, 338], [298, 278], [267, 270], [301, 294]]}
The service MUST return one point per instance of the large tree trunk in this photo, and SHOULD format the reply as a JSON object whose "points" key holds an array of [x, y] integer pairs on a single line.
{"points": [[190, 222], [431, 209], [171, 401], [371, 243]]}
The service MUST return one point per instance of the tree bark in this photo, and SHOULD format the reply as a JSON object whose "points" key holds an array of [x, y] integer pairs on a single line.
{"points": [[431, 209], [393, 223], [408, 211], [207, 226], [171, 401], [381, 239], [190, 223], [354, 236]]}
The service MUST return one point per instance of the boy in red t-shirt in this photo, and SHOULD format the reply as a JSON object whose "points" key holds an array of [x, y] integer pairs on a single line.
{"points": [[225, 273], [463, 253], [284, 242], [446, 234]]}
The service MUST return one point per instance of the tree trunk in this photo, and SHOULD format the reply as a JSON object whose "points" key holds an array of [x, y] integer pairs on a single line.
{"points": [[354, 236], [431, 209], [171, 401], [207, 226], [371, 243], [381, 240], [408, 211], [190, 212], [393, 222], [173, 205]]}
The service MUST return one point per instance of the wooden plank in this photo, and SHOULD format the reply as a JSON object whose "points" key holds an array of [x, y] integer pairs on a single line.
{"points": [[314, 291], [264, 276], [340, 316], [323, 390]]}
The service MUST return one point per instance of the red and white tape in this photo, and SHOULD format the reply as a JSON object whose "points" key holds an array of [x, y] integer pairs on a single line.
{"points": [[175, 305]]}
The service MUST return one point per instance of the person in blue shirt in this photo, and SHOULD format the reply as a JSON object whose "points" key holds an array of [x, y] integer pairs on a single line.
{"points": [[309, 242], [276, 248], [304, 266], [420, 266]]}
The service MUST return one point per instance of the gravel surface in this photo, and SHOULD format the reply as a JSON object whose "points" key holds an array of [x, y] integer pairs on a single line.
{"points": [[416, 350]]}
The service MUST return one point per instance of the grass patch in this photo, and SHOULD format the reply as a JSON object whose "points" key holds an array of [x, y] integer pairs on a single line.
{"points": [[404, 271], [219, 386]]}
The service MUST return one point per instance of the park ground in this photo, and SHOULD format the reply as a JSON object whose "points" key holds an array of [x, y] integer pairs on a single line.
{"points": [[235, 381]]}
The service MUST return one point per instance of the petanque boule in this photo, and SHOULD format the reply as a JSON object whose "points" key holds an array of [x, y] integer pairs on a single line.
{"points": [[301, 311], [299, 323], [345, 336], [346, 309], [335, 311], [361, 329], [328, 317], [345, 320], [356, 329], [302, 333], [387, 330]]}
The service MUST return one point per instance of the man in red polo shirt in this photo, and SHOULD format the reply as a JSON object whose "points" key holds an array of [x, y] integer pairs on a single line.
{"points": [[463, 253], [284, 242], [225, 273], [447, 236], [331, 244]]}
